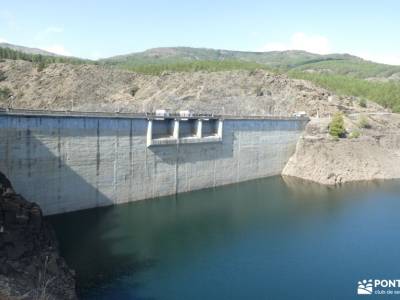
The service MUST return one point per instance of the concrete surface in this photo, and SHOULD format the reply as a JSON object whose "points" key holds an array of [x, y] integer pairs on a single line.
{"points": [[67, 163]]}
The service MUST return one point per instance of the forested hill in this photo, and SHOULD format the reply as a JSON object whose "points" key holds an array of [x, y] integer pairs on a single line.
{"points": [[27, 50], [37, 56], [157, 60], [176, 55], [341, 64]]}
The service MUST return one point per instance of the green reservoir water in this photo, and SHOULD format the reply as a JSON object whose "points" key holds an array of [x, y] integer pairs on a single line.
{"points": [[264, 239]]}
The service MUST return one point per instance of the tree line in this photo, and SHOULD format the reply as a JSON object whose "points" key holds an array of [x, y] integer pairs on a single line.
{"points": [[8, 53]]}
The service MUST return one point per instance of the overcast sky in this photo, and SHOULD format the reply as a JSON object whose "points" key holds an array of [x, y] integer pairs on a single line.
{"points": [[94, 29]]}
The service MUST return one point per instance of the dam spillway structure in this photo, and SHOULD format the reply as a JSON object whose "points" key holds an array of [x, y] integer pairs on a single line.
{"points": [[166, 130], [67, 161]]}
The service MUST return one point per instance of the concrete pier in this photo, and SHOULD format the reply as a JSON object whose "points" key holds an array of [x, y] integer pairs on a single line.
{"points": [[68, 162]]}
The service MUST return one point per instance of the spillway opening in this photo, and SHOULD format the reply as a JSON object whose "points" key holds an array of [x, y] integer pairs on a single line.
{"points": [[163, 128], [188, 128], [210, 128]]}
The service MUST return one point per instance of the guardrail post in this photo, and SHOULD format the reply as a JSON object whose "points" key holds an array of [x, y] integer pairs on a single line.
{"points": [[220, 127], [175, 133], [199, 128], [149, 132]]}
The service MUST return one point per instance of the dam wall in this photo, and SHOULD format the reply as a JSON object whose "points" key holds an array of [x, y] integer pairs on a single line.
{"points": [[74, 162]]}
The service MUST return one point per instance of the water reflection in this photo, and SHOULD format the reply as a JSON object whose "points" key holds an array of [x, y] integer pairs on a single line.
{"points": [[232, 242]]}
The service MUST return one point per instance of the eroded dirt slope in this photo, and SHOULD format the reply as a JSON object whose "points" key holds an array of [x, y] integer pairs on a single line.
{"points": [[96, 88]]}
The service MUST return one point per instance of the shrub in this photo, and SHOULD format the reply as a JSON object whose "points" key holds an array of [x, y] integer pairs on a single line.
{"points": [[354, 134], [364, 123], [133, 91], [396, 108], [252, 72], [2, 76], [363, 102], [5, 93], [259, 91], [336, 127], [41, 66]]}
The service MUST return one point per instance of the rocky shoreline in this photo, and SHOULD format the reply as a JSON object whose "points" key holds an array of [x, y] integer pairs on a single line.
{"points": [[30, 264], [373, 155]]}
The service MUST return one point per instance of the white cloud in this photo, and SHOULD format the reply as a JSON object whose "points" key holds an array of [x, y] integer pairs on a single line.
{"points": [[3, 40], [301, 41], [58, 49], [383, 58]]}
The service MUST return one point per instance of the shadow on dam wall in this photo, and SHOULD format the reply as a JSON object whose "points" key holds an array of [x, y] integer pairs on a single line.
{"points": [[192, 153], [75, 163], [45, 177], [91, 163]]}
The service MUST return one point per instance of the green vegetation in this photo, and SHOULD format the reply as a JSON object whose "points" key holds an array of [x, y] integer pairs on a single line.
{"points": [[43, 60], [193, 66], [2, 76], [5, 93], [277, 60], [336, 127], [355, 134], [41, 66], [386, 94], [363, 102], [363, 122], [355, 67]]}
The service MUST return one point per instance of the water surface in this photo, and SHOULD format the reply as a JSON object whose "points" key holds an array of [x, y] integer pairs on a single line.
{"points": [[264, 239]]}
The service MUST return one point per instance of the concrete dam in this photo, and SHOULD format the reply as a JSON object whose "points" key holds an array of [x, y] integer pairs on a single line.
{"points": [[73, 161]]}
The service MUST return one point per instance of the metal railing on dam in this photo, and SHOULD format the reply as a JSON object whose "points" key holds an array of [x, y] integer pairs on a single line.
{"points": [[140, 115], [68, 161]]}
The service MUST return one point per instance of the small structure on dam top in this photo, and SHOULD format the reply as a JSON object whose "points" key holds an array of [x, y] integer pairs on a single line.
{"points": [[67, 161], [184, 128]]}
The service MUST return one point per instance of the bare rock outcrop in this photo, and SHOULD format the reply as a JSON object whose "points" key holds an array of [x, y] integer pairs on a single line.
{"points": [[374, 155], [30, 264]]}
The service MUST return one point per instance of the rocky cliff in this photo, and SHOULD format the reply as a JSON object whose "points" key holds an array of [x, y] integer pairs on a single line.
{"points": [[30, 264], [373, 155]]}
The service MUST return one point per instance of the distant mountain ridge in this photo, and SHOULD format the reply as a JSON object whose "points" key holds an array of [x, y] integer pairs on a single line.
{"points": [[168, 55], [27, 50], [186, 58], [176, 54]]}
